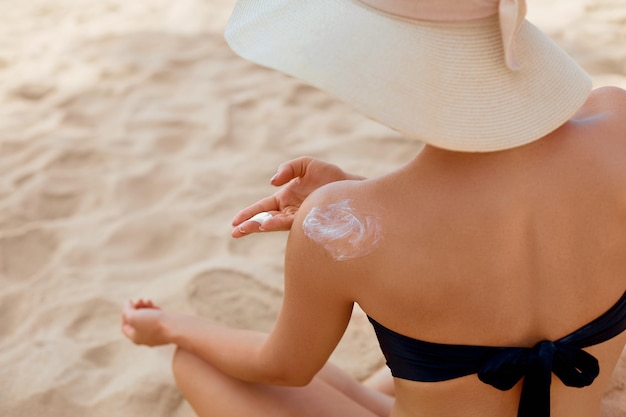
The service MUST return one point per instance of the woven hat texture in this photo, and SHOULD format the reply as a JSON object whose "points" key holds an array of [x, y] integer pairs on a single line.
{"points": [[445, 83]]}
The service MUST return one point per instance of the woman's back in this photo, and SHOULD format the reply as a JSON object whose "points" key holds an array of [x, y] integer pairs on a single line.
{"points": [[500, 249]]}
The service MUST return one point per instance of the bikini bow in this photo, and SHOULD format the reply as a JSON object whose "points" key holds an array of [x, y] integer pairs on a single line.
{"points": [[572, 365]]}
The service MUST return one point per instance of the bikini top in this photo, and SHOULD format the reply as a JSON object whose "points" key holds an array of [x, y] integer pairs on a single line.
{"points": [[504, 367]]}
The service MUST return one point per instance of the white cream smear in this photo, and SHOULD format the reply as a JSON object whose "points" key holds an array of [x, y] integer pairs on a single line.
{"points": [[260, 218], [344, 233]]}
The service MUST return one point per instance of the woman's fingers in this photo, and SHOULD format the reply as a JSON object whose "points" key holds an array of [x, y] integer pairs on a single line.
{"points": [[290, 170], [267, 204], [286, 172], [302, 176], [127, 329], [141, 303], [276, 223]]}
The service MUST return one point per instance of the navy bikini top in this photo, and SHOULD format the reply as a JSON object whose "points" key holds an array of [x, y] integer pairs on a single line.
{"points": [[504, 367]]}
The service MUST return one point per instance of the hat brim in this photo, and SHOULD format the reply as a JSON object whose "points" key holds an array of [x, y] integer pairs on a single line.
{"points": [[444, 83]]}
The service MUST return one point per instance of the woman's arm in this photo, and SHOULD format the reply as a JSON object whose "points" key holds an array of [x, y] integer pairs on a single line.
{"points": [[233, 350], [312, 320], [316, 307]]}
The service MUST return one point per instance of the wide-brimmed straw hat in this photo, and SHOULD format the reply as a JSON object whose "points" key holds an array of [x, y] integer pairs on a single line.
{"points": [[468, 75]]}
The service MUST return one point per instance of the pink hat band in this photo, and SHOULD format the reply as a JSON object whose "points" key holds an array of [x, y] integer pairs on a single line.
{"points": [[511, 13]]}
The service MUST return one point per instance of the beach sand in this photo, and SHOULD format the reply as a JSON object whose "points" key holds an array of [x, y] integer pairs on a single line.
{"points": [[129, 137]]}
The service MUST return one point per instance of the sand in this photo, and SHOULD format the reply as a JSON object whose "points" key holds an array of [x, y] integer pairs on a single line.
{"points": [[129, 137]]}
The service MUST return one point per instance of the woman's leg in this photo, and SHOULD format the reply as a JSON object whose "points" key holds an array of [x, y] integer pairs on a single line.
{"points": [[369, 396], [332, 393]]}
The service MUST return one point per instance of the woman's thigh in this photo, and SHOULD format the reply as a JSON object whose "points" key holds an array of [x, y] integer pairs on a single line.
{"points": [[213, 393]]}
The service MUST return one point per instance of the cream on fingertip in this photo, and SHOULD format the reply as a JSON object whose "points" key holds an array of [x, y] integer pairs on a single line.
{"points": [[261, 218]]}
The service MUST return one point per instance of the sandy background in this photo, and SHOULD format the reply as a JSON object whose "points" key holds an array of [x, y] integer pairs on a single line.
{"points": [[129, 137]]}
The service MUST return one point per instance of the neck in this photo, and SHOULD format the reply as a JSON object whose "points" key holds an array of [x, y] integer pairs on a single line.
{"points": [[453, 163]]}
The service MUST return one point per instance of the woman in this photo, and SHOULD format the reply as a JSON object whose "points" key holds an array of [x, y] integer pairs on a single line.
{"points": [[480, 263]]}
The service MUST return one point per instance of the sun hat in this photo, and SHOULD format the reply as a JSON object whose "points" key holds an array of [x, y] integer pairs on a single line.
{"points": [[469, 75]]}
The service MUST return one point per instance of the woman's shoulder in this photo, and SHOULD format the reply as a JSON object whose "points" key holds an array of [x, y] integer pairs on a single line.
{"points": [[614, 93], [613, 100], [602, 120], [339, 219], [604, 127], [609, 101], [336, 192]]}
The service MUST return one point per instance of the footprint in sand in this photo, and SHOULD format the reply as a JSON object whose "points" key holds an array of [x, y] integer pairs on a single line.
{"points": [[234, 298], [102, 356]]}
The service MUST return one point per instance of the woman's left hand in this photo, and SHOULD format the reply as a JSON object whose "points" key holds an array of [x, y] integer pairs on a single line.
{"points": [[142, 323]]}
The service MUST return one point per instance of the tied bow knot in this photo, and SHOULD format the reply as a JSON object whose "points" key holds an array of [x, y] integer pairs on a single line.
{"points": [[512, 14], [572, 365]]}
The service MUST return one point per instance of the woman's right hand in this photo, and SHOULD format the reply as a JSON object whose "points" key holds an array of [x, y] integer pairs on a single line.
{"points": [[142, 323], [303, 176]]}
